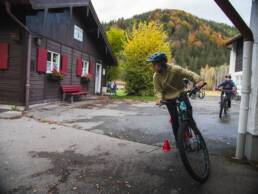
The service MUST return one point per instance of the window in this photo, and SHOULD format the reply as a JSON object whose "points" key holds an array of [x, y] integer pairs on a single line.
{"points": [[53, 61], [85, 67], [78, 33]]}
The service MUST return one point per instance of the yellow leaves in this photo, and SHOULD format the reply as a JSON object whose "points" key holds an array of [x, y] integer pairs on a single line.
{"points": [[144, 40], [191, 38], [116, 38]]}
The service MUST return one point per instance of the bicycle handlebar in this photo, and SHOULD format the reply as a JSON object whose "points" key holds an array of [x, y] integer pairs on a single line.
{"points": [[189, 92], [194, 89], [223, 90]]}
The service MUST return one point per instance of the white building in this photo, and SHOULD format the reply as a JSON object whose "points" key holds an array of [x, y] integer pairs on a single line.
{"points": [[236, 59], [244, 70]]}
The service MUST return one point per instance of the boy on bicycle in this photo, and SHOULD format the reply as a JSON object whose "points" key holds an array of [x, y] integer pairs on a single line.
{"points": [[229, 88], [168, 84]]}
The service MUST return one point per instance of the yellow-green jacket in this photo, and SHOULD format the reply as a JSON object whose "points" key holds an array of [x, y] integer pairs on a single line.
{"points": [[169, 83]]}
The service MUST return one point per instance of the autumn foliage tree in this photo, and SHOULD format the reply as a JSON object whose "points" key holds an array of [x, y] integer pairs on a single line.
{"points": [[144, 40], [116, 38], [214, 75], [194, 42]]}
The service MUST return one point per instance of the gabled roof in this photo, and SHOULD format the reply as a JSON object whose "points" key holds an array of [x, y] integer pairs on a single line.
{"points": [[238, 37], [76, 4], [41, 4]]}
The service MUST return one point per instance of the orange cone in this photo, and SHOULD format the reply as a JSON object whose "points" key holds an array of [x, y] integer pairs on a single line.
{"points": [[166, 146]]}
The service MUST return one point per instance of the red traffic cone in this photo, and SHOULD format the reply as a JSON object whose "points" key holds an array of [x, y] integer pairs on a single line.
{"points": [[170, 121], [166, 146]]}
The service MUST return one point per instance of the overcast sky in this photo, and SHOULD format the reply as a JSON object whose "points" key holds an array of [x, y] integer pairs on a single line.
{"points": [[113, 9]]}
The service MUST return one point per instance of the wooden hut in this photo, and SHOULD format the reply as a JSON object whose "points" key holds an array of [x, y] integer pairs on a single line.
{"points": [[38, 36]]}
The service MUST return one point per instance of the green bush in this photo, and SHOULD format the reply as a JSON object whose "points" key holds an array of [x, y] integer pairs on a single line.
{"points": [[142, 42]]}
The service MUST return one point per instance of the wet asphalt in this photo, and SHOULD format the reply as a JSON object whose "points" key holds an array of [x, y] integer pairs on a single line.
{"points": [[151, 123], [114, 146]]}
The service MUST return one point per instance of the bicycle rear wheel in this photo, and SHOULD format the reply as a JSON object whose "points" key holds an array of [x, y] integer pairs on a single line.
{"points": [[202, 94], [193, 151]]}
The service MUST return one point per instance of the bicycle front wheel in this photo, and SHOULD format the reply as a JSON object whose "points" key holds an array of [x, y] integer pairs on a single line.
{"points": [[221, 108], [225, 107], [193, 151]]}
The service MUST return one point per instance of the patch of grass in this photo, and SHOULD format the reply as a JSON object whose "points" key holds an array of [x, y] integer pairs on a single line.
{"points": [[212, 93], [122, 95]]}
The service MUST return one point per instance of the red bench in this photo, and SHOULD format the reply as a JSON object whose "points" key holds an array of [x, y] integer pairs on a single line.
{"points": [[72, 90]]}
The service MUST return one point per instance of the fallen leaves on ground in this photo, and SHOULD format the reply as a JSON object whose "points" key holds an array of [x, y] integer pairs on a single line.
{"points": [[127, 184], [97, 186]]}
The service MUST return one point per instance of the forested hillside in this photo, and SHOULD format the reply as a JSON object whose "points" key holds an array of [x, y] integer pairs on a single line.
{"points": [[194, 42]]}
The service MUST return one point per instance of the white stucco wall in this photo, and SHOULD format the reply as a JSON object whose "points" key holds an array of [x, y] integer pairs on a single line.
{"points": [[253, 106]]}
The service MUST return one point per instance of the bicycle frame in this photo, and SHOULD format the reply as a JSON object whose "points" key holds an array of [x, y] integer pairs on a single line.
{"points": [[184, 107], [224, 96]]}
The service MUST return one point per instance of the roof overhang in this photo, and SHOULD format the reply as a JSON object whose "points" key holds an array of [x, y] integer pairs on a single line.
{"points": [[238, 37], [236, 19]]}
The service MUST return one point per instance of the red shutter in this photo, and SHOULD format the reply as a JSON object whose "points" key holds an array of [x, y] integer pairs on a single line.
{"points": [[42, 60], [3, 55], [64, 63], [91, 68], [79, 67]]}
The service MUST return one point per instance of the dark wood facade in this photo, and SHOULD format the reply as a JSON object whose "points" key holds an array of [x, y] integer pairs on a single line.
{"points": [[12, 80], [55, 28], [239, 56]]}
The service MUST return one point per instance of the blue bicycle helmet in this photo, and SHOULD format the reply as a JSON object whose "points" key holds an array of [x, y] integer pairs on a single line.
{"points": [[158, 57], [228, 76]]}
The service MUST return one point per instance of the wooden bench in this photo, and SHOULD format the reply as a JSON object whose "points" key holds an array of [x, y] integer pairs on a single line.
{"points": [[72, 90]]}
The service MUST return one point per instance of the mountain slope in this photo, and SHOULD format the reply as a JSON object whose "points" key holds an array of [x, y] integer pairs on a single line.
{"points": [[194, 42]]}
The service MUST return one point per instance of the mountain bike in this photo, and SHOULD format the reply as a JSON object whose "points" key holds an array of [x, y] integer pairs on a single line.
{"points": [[224, 100], [192, 147], [200, 93]]}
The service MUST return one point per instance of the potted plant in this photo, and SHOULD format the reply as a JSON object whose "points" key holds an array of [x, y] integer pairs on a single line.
{"points": [[87, 77], [56, 75]]}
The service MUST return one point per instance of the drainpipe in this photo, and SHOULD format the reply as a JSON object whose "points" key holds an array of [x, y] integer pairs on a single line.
{"points": [[27, 85], [245, 97], [247, 34]]}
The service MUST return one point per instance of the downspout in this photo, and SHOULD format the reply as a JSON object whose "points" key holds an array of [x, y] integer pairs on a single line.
{"points": [[236, 19], [245, 98], [27, 85]]}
